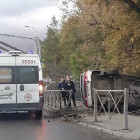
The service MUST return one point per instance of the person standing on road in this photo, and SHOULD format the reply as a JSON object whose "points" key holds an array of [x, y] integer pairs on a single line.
{"points": [[71, 86], [63, 86]]}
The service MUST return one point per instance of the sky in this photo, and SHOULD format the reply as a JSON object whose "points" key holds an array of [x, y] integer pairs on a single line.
{"points": [[15, 14]]}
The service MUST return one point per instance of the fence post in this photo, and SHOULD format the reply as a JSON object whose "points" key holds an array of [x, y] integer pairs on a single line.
{"points": [[55, 99], [126, 109], [44, 99], [60, 99], [48, 98], [95, 104], [69, 101], [51, 98], [109, 104]]}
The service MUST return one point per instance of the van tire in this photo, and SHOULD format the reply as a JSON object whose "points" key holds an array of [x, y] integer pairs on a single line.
{"points": [[38, 114]]}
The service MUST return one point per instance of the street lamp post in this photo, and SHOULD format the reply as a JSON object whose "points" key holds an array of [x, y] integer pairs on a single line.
{"points": [[32, 28], [37, 41]]}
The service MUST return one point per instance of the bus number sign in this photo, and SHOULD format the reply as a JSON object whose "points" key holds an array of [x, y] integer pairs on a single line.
{"points": [[28, 61]]}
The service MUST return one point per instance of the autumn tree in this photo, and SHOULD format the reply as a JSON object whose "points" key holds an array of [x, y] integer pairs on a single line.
{"points": [[98, 34], [110, 35]]}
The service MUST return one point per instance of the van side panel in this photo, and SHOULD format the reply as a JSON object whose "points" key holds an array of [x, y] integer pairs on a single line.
{"points": [[7, 83]]}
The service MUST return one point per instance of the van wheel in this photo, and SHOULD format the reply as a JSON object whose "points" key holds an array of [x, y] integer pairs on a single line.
{"points": [[38, 114]]}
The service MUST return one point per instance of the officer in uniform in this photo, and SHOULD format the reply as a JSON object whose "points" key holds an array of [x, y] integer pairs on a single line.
{"points": [[71, 86], [63, 86]]}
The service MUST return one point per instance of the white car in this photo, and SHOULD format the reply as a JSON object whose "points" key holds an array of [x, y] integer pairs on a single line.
{"points": [[21, 83]]}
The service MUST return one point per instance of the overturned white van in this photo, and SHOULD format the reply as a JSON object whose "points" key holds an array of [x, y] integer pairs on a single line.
{"points": [[21, 83], [109, 80]]}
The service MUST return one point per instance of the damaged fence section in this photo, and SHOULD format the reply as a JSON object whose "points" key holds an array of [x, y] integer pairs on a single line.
{"points": [[53, 98], [106, 100]]}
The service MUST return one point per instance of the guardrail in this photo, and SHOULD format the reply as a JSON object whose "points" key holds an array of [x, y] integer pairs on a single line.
{"points": [[108, 97], [53, 98]]}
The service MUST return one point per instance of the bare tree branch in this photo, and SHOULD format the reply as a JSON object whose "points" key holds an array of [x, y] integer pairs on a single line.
{"points": [[133, 5]]}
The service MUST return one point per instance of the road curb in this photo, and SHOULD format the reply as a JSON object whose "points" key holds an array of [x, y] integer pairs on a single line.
{"points": [[118, 133]]}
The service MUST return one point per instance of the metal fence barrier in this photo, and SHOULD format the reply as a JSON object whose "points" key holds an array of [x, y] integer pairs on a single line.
{"points": [[110, 95], [53, 98]]}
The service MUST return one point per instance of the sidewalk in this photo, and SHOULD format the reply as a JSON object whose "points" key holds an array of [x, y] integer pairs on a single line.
{"points": [[115, 125], [84, 116]]}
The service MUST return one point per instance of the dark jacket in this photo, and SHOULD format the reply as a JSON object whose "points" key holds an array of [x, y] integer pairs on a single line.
{"points": [[63, 85], [71, 85]]}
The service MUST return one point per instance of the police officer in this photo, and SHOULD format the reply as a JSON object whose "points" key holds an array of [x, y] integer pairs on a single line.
{"points": [[63, 86], [71, 86]]}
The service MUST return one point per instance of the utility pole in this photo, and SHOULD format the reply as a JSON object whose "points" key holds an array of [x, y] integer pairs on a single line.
{"points": [[38, 46]]}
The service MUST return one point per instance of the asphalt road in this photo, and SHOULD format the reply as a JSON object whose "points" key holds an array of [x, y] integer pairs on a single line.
{"points": [[24, 127]]}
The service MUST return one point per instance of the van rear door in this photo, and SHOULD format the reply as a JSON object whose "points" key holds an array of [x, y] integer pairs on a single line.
{"points": [[27, 82], [7, 83]]}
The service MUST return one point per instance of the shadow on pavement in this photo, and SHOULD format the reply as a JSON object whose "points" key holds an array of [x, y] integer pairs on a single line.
{"points": [[16, 116]]}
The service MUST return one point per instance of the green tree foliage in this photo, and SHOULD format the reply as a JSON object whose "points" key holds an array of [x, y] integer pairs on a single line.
{"points": [[99, 34], [50, 49], [51, 53]]}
